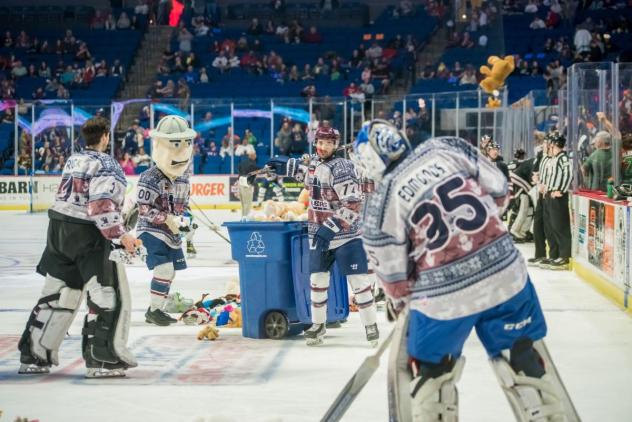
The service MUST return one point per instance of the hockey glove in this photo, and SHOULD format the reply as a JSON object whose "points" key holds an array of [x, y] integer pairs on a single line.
{"points": [[394, 307], [279, 164], [322, 238], [173, 222]]}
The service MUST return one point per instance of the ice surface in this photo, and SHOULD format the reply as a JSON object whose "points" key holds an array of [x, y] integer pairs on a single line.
{"points": [[240, 379]]}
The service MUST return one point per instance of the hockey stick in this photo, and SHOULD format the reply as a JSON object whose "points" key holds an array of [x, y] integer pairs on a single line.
{"points": [[350, 391], [208, 222]]}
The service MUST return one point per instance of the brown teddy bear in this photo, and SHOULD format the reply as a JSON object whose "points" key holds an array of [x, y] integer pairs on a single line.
{"points": [[235, 319], [209, 332], [496, 75]]}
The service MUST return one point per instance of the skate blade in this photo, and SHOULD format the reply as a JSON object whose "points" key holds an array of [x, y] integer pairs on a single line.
{"points": [[191, 256], [373, 343], [105, 373], [26, 369]]}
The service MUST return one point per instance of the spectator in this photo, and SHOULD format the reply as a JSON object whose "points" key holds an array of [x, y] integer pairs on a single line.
{"points": [[39, 94], [250, 137], [308, 75], [231, 139], [32, 71], [233, 61], [552, 19], [51, 85], [597, 169], [190, 76], [299, 140], [537, 23], [83, 53], [123, 21], [110, 23], [117, 68], [127, 164], [531, 7], [226, 149], [199, 26], [184, 93], [62, 93], [8, 40], [244, 148], [203, 76], [255, 29], [293, 76], [18, 70], [102, 69], [468, 78], [375, 52], [221, 62], [313, 36], [184, 40], [368, 89], [283, 138], [309, 91], [466, 41], [98, 21], [168, 90]]}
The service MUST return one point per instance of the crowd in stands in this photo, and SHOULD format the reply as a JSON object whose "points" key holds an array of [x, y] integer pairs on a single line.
{"points": [[248, 53]]}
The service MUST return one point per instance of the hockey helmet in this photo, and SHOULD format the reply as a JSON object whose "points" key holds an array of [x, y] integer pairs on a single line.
{"points": [[556, 138], [326, 133], [172, 145], [379, 144], [519, 154]]}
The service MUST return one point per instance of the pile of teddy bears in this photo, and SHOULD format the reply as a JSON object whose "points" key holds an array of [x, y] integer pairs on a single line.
{"points": [[224, 311], [282, 211]]}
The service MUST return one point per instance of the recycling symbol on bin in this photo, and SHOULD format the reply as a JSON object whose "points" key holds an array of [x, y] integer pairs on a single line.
{"points": [[255, 244]]}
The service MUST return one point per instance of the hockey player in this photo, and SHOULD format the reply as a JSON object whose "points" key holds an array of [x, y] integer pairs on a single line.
{"points": [[270, 181], [522, 216], [84, 221], [188, 231], [163, 195], [434, 235], [334, 230]]}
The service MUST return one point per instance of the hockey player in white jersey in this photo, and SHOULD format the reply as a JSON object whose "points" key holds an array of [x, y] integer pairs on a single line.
{"points": [[434, 236], [84, 222], [334, 229]]}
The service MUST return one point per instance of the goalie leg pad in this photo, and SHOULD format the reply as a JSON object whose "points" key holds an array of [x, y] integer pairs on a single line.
{"points": [[433, 390], [100, 325], [319, 283], [532, 385], [362, 286], [49, 321]]}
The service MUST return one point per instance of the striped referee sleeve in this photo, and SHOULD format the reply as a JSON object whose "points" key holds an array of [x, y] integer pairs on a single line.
{"points": [[561, 176]]}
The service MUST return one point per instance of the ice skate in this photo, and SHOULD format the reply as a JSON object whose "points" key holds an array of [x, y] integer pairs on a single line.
{"points": [[105, 373], [158, 317], [33, 369], [372, 334], [314, 335], [191, 252]]}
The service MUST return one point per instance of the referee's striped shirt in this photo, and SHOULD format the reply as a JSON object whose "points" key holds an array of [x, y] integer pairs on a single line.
{"points": [[560, 177], [544, 169]]}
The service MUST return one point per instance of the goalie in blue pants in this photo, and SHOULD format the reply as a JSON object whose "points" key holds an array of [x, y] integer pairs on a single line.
{"points": [[434, 235]]}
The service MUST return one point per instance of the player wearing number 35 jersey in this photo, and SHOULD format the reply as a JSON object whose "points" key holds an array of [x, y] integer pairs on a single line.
{"points": [[434, 236]]}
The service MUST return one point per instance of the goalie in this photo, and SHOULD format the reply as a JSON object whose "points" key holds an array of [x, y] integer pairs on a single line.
{"points": [[84, 220], [434, 235]]}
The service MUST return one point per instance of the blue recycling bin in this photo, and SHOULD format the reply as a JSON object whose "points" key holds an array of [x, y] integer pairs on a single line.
{"points": [[268, 278], [337, 295]]}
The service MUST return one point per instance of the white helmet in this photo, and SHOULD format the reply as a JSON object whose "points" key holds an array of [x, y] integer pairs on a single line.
{"points": [[172, 145]]}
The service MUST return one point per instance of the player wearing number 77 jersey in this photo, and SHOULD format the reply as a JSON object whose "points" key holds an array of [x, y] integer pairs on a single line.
{"points": [[434, 235], [335, 205]]}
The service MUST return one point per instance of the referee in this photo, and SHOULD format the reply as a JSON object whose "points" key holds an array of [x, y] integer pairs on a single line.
{"points": [[539, 178], [556, 211]]}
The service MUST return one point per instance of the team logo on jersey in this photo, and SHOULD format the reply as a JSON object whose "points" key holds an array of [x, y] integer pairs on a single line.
{"points": [[255, 245]]}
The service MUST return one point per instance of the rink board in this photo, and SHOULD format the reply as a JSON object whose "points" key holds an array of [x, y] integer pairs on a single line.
{"points": [[601, 245]]}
